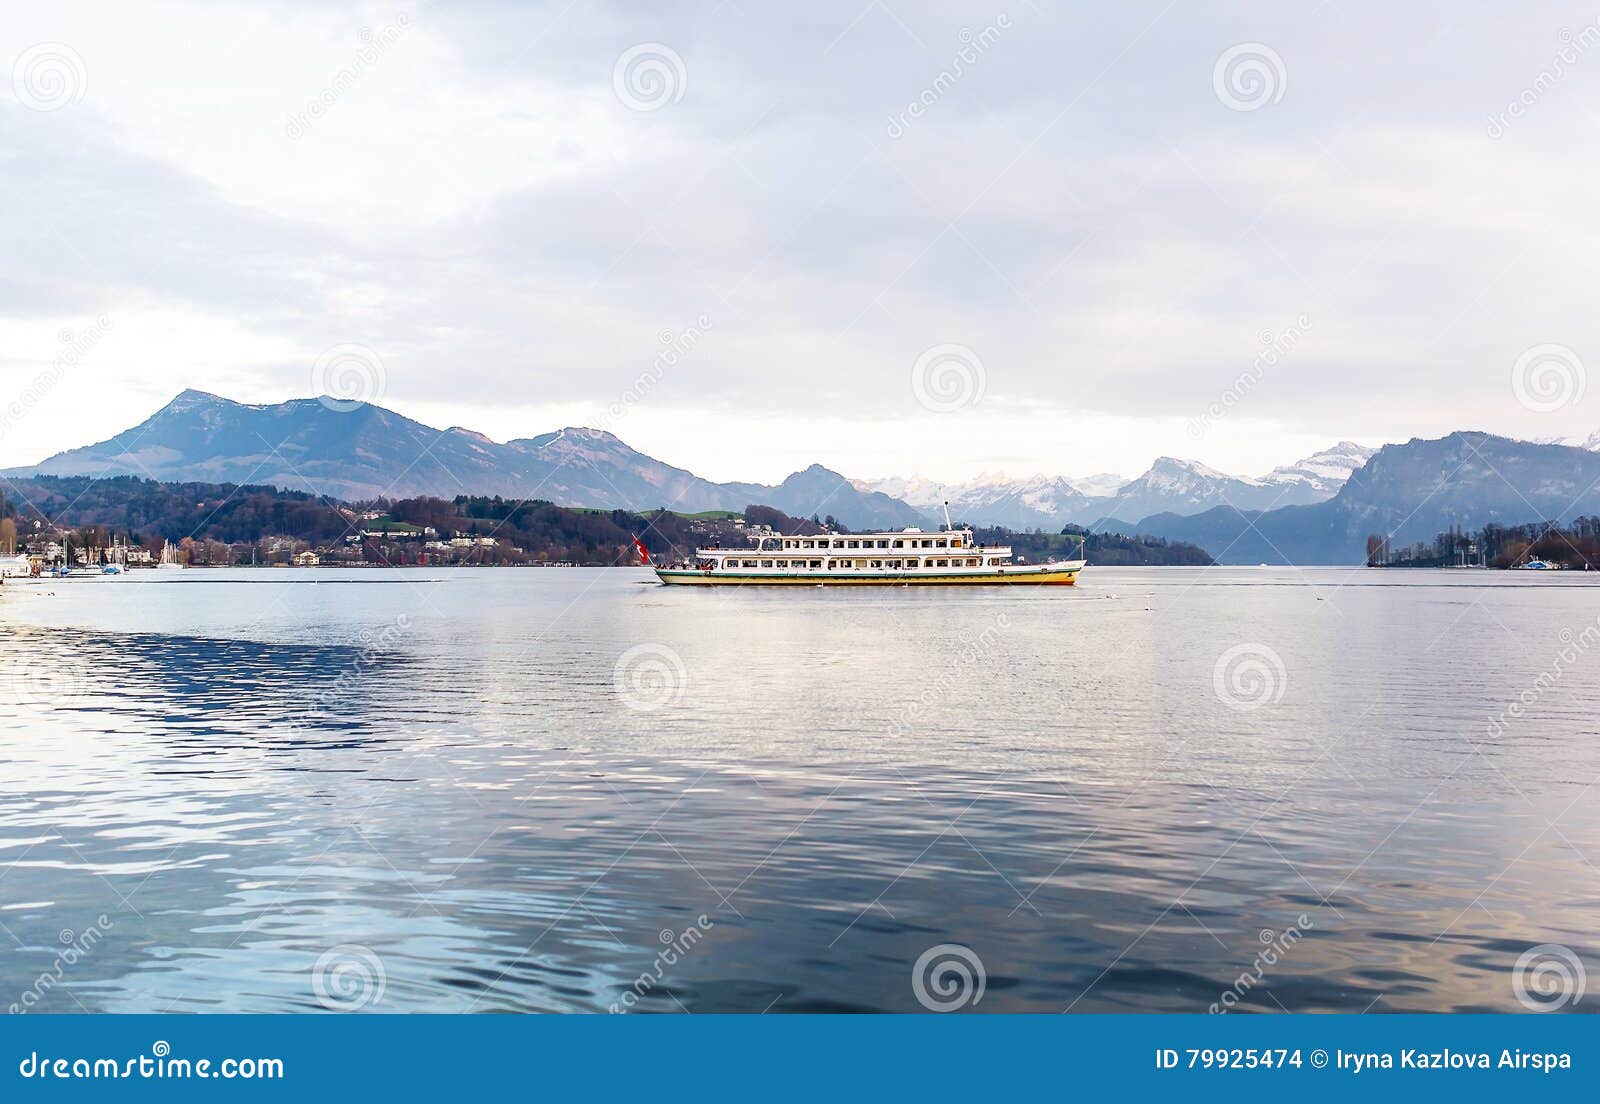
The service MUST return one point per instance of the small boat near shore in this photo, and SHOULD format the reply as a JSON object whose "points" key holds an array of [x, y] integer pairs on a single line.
{"points": [[909, 557]]}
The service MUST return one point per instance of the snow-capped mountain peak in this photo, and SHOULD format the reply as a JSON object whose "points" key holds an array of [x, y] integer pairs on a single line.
{"points": [[1169, 485], [1323, 471], [1100, 484], [1591, 442], [1170, 471]]}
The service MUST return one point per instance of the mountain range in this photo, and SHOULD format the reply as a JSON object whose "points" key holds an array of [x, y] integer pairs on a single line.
{"points": [[1406, 493], [1170, 485], [1317, 510], [362, 451]]}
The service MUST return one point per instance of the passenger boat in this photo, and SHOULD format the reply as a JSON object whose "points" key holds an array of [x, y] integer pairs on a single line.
{"points": [[909, 557]]}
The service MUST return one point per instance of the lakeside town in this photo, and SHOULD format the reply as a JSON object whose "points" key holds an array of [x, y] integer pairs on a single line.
{"points": [[83, 524], [1534, 546], [377, 541]]}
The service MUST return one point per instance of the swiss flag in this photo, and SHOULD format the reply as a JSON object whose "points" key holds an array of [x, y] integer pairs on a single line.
{"points": [[644, 553]]}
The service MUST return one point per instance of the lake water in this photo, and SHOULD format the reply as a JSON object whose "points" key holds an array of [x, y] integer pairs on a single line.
{"points": [[571, 790]]}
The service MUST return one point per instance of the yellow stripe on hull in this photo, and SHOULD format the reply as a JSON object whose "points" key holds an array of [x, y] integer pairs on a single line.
{"points": [[704, 578]]}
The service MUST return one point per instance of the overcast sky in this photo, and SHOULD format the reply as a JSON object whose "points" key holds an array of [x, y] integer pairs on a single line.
{"points": [[1098, 217]]}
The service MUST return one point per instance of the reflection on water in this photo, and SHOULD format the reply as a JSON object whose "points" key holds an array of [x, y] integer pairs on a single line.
{"points": [[554, 790]]}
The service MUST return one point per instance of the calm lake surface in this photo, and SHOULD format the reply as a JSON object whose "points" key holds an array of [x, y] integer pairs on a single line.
{"points": [[522, 790]]}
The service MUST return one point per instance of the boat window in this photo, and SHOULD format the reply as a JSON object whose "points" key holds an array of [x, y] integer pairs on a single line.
{"points": [[899, 544], [943, 544], [877, 563], [766, 563], [838, 544]]}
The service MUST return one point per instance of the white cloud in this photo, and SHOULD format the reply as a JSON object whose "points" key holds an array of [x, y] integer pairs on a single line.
{"points": [[478, 205]]}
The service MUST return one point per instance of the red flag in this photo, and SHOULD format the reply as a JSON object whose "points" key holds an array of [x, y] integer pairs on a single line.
{"points": [[644, 553]]}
